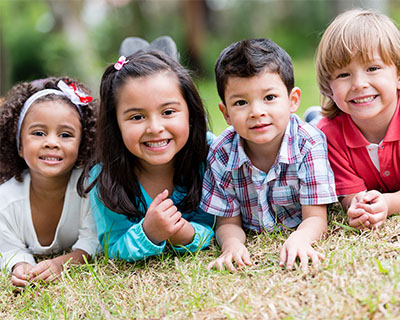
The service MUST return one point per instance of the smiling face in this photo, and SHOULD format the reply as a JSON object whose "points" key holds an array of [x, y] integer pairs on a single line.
{"points": [[50, 138], [259, 108], [153, 118], [366, 90]]}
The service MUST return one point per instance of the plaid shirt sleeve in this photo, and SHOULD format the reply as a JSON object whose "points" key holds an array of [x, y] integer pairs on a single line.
{"points": [[218, 196], [317, 184]]}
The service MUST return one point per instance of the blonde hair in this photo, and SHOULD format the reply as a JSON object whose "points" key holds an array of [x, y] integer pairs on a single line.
{"points": [[354, 34]]}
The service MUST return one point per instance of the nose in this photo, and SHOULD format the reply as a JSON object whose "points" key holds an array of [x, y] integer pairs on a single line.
{"points": [[155, 125], [359, 81], [258, 109], [52, 142]]}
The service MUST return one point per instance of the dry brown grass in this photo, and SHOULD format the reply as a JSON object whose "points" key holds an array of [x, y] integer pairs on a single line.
{"points": [[359, 279]]}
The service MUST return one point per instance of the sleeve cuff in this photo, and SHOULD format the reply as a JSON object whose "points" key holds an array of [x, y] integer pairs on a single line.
{"points": [[201, 239]]}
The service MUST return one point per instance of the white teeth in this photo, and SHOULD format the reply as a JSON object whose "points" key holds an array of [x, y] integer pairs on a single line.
{"points": [[156, 144], [369, 99], [50, 159]]}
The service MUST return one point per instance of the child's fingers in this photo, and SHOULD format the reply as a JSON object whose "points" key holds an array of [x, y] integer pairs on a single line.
{"points": [[316, 257], [38, 269], [225, 261], [371, 196], [228, 264], [359, 223], [303, 260], [159, 198], [18, 282], [355, 212], [291, 257], [376, 220], [211, 265], [282, 256], [239, 260], [20, 273], [246, 258]]}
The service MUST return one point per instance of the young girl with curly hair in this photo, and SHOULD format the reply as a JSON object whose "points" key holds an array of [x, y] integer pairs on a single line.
{"points": [[47, 130], [152, 149]]}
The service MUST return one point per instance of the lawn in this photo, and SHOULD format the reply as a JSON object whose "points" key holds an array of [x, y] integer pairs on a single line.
{"points": [[359, 279]]}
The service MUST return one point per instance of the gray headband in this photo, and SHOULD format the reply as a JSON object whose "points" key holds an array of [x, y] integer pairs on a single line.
{"points": [[77, 97]]}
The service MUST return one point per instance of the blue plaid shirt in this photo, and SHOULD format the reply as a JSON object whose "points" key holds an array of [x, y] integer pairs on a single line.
{"points": [[301, 175]]}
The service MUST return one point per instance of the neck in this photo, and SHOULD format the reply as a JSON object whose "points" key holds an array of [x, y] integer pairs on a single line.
{"points": [[263, 156], [155, 179], [43, 187], [373, 133]]}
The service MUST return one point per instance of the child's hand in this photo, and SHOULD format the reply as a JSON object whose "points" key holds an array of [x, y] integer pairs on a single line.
{"points": [[298, 245], [19, 276], [375, 205], [162, 219], [47, 270], [232, 251], [358, 217]]}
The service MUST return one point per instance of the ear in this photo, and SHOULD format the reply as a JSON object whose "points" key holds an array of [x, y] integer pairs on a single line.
{"points": [[294, 98], [21, 152], [224, 111]]}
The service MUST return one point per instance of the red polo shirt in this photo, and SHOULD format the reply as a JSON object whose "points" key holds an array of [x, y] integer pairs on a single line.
{"points": [[350, 161]]}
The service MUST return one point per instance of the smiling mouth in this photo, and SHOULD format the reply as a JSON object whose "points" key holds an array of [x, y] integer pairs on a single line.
{"points": [[364, 100], [157, 144], [53, 159]]}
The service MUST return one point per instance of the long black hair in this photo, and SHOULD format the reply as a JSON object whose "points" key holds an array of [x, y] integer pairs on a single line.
{"points": [[117, 184]]}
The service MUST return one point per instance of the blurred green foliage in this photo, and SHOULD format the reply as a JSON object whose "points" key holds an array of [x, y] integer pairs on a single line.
{"points": [[35, 44]]}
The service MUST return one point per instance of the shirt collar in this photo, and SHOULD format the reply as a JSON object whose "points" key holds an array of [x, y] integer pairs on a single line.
{"points": [[289, 151]]}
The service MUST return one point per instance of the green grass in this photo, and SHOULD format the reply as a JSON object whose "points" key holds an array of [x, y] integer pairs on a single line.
{"points": [[359, 279], [304, 79]]}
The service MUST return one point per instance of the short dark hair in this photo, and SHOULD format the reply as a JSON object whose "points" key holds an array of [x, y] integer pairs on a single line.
{"points": [[250, 57], [117, 183]]}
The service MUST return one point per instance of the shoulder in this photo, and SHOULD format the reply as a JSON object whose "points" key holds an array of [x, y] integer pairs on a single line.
{"points": [[329, 126], [224, 149], [305, 134], [225, 142], [12, 190], [75, 174]]}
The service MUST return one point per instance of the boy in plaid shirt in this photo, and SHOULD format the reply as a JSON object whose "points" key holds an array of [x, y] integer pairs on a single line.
{"points": [[269, 169]]}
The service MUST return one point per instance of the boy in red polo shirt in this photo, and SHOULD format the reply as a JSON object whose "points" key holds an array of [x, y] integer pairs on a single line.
{"points": [[358, 62]]}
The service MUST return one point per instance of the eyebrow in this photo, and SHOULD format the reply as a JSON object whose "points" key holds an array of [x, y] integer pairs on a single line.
{"points": [[160, 107], [41, 125], [242, 95]]}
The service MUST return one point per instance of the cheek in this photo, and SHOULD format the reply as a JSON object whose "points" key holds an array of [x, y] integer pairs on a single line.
{"points": [[130, 136]]}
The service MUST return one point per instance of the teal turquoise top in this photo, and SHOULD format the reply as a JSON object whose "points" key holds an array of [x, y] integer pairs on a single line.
{"points": [[126, 239]]}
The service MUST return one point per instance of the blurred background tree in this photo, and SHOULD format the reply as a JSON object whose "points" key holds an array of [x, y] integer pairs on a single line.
{"points": [[80, 38]]}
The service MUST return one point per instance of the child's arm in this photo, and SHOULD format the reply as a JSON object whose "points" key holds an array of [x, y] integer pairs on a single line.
{"points": [[231, 238], [49, 270], [298, 244], [184, 235], [202, 224]]}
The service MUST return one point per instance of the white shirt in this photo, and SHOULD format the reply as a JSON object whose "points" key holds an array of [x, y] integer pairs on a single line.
{"points": [[18, 239]]}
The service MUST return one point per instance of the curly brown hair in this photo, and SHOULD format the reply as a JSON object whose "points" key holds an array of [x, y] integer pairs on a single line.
{"points": [[11, 164]]}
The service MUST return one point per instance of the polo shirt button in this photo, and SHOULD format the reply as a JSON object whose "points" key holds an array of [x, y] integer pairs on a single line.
{"points": [[387, 173]]}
